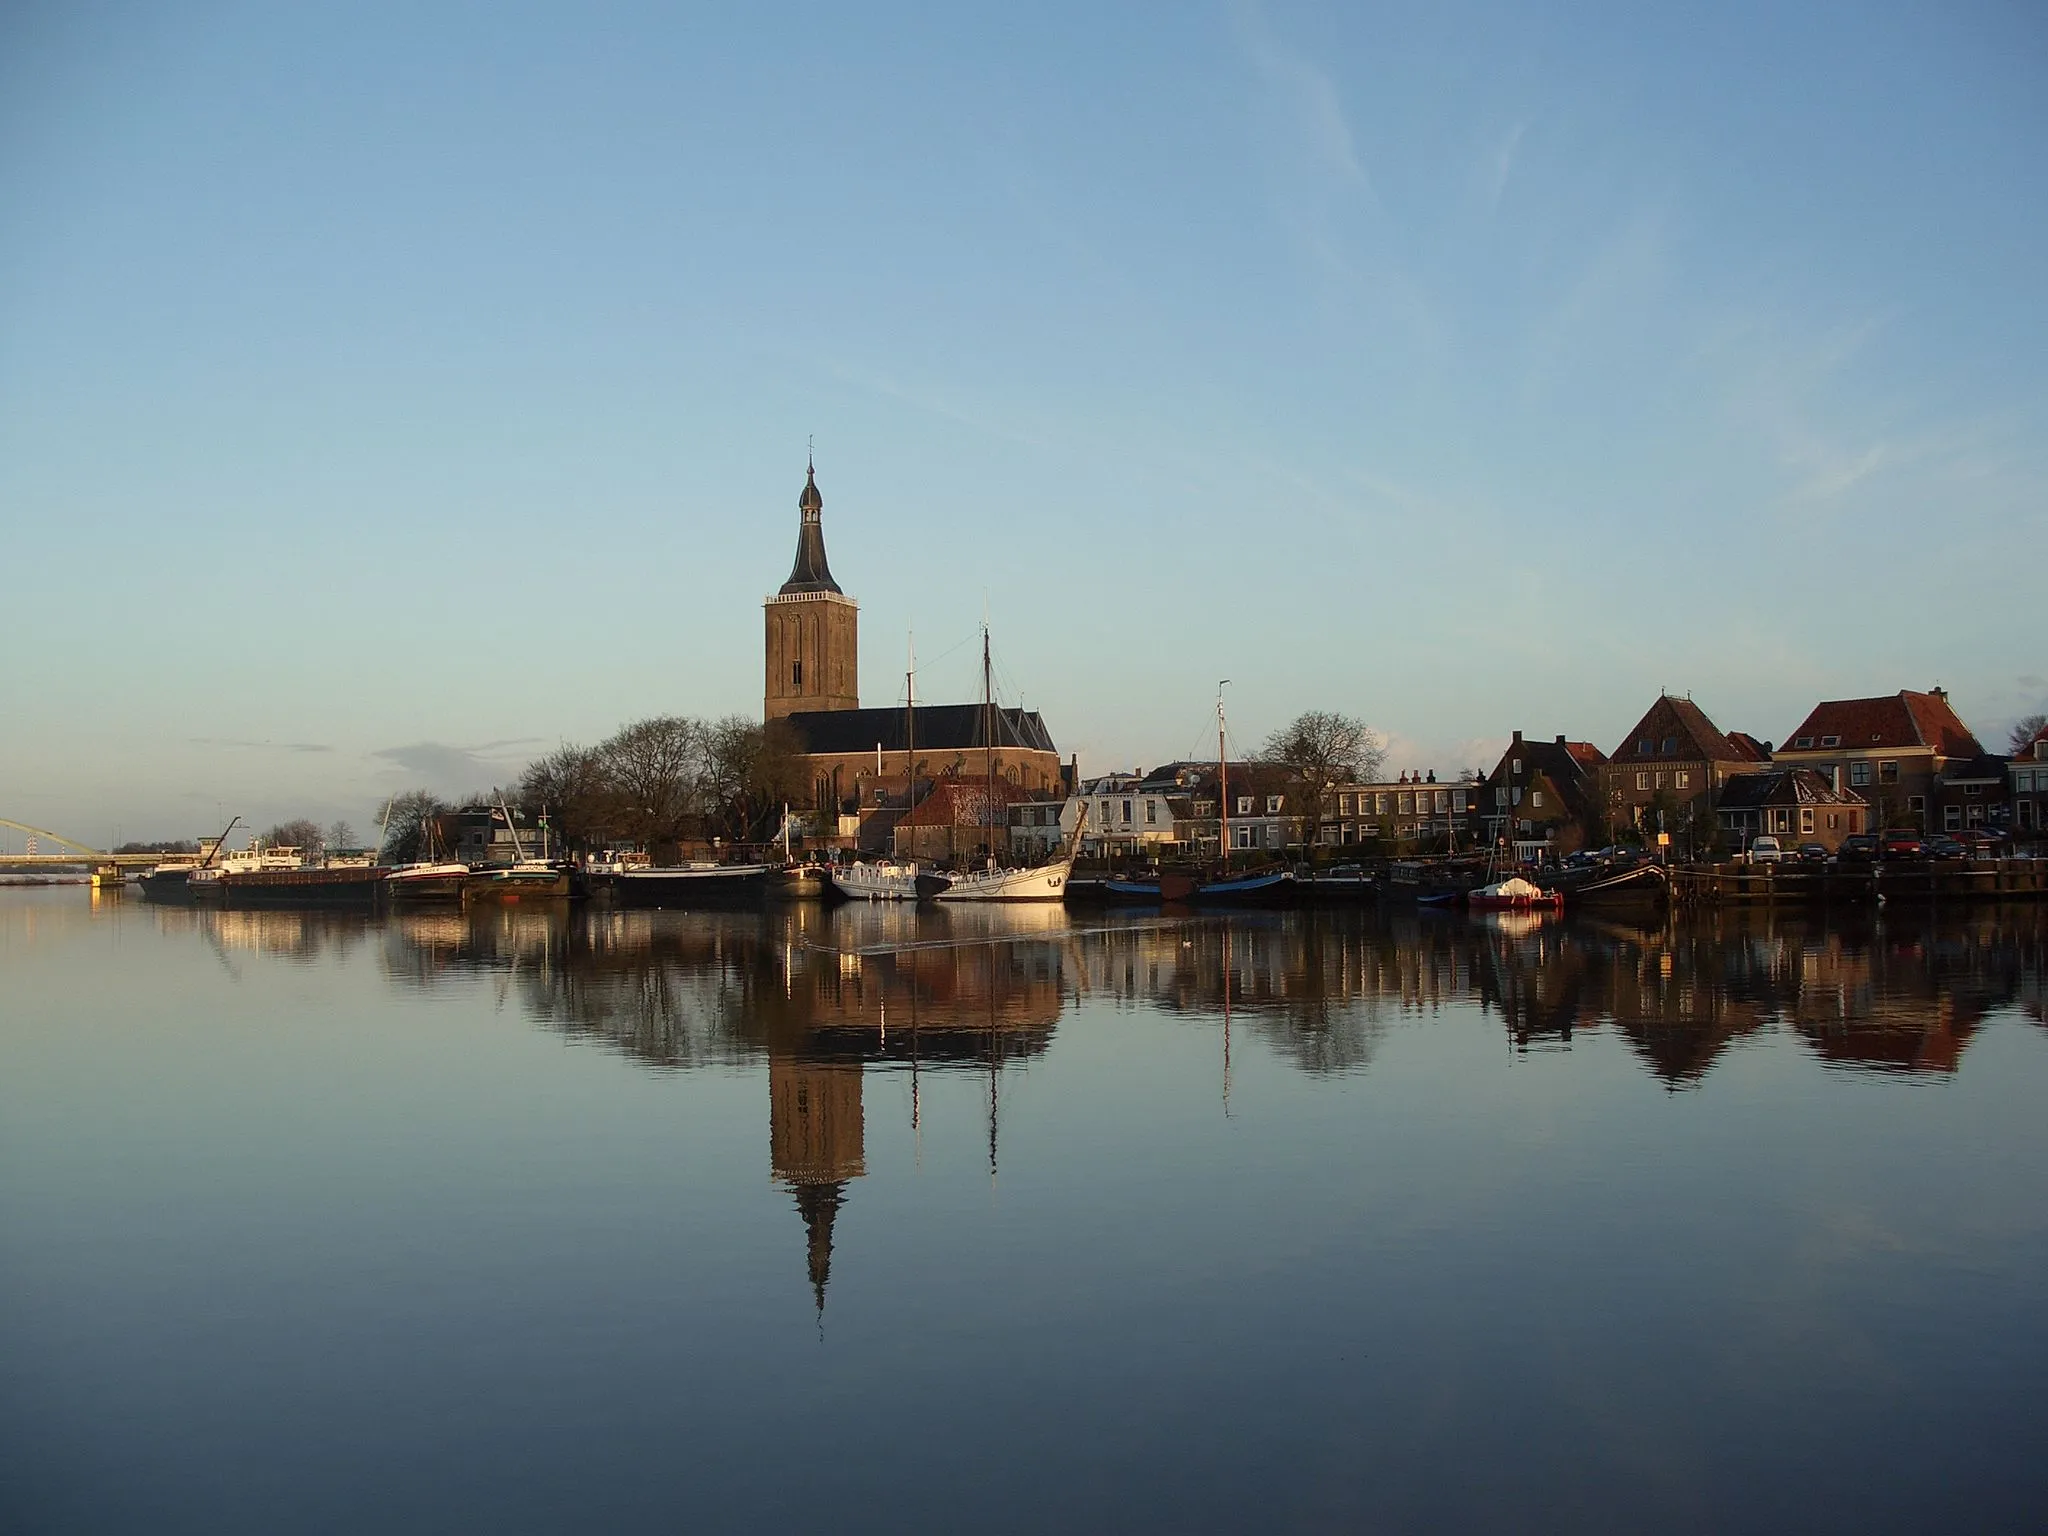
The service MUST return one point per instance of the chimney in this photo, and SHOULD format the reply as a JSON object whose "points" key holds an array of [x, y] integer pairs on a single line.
{"points": [[1560, 740], [1518, 738]]}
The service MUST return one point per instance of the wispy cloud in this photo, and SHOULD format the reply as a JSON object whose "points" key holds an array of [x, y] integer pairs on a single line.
{"points": [[933, 402], [1305, 97], [446, 766], [1501, 166], [261, 746]]}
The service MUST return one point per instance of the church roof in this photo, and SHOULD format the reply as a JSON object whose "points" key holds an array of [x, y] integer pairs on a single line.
{"points": [[940, 728], [810, 573]]}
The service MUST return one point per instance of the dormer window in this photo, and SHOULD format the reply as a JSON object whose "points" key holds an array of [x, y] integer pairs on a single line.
{"points": [[1802, 743], [1670, 745], [1244, 805], [1272, 805], [1643, 747], [1831, 741], [1517, 768]]}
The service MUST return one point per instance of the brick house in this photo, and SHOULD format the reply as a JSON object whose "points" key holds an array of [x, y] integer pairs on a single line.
{"points": [[2027, 789], [1675, 762], [1413, 813], [1892, 752], [1794, 805], [1541, 795]]}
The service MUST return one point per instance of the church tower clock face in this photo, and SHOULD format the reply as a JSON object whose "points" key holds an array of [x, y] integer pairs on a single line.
{"points": [[812, 629]]}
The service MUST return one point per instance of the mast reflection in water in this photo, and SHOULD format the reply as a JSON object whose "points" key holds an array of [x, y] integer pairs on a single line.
{"points": [[1258, 1221]]}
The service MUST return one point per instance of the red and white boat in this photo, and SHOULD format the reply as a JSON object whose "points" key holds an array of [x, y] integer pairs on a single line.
{"points": [[1513, 894]]}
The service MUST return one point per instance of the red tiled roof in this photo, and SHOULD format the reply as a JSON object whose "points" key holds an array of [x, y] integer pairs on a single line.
{"points": [[1902, 720], [1749, 747], [1585, 752], [964, 802], [1686, 725]]}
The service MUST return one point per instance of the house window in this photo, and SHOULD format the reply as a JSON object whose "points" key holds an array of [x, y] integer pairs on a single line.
{"points": [[1642, 781], [1806, 821], [1242, 837], [1660, 778], [1670, 745], [1831, 741], [1272, 805], [1407, 804], [1643, 746], [2023, 781], [1343, 805], [1127, 813], [1536, 797], [1105, 813], [1859, 774], [1682, 779], [1443, 801], [1917, 804], [1380, 807], [1802, 743], [1952, 818], [1151, 813], [1834, 821], [1517, 768], [1887, 773], [1244, 808]]}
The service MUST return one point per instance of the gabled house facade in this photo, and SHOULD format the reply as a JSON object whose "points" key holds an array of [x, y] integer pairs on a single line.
{"points": [[2027, 787], [1413, 813], [1794, 805], [1541, 795], [1672, 767], [1891, 751]]}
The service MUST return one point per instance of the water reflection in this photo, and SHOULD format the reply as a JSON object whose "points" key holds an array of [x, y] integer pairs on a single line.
{"points": [[894, 987]]}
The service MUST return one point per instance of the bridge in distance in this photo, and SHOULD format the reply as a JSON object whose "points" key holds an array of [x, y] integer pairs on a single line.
{"points": [[80, 853]]}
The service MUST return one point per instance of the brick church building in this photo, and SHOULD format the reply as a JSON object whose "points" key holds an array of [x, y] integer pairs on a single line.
{"points": [[861, 757]]}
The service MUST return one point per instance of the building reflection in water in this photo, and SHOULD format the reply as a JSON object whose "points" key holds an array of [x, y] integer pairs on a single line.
{"points": [[824, 997]]}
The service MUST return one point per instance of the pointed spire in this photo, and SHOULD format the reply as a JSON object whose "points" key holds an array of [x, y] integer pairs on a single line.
{"points": [[819, 1204], [810, 573]]}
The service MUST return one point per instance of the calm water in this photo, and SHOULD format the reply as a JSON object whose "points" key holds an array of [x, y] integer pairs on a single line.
{"points": [[873, 1220]]}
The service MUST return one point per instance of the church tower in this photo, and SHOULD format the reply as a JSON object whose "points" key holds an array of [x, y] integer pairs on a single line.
{"points": [[813, 629]]}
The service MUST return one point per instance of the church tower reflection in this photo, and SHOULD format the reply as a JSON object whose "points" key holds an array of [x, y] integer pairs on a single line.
{"points": [[816, 1145]]}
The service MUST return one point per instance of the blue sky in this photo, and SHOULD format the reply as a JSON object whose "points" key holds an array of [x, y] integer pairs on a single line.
{"points": [[388, 393]]}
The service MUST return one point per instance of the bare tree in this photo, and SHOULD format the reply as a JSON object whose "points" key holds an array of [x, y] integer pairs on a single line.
{"points": [[751, 772], [300, 833], [341, 835], [1321, 749], [657, 770], [2024, 730], [576, 787], [405, 825]]}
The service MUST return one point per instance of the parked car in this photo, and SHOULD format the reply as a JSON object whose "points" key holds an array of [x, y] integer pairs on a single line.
{"points": [[1946, 848], [1812, 853], [1900, 843], [1986, 842], [1765, 850], [1859, 849]]}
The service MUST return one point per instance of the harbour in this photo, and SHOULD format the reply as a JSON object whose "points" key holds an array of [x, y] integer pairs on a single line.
{"points": [[623, 1175]]}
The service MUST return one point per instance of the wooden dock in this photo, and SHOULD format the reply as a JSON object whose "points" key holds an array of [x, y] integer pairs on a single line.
{"points": [[1907, 880]]}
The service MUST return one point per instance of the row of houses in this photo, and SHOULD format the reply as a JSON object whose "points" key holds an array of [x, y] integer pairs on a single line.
{"points": [[1851, 766]]}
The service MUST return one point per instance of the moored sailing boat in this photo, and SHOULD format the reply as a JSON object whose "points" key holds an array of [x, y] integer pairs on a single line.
{"points": [[1045, 882]]}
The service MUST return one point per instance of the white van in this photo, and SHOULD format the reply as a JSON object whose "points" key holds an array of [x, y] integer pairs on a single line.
{"points": [[1765, 850]]}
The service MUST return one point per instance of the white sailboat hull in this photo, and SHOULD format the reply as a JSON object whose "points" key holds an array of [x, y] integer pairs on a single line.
{"points": [[1048, 882], [885, 882]]}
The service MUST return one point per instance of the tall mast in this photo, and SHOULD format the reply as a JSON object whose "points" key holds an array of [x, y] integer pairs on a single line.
{"points": [[1222, 779], [988, 745], [910, 725]]}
